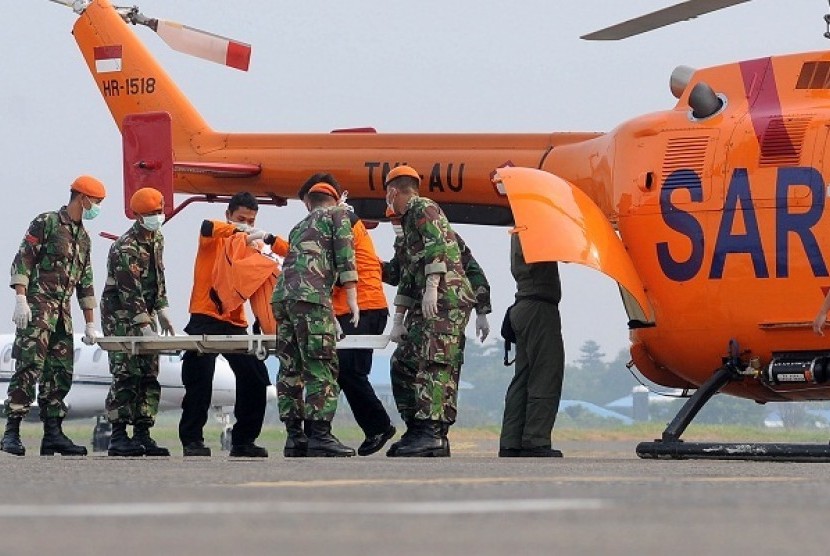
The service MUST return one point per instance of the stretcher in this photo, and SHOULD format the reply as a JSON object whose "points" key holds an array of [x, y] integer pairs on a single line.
{"points": [[260, 345]]}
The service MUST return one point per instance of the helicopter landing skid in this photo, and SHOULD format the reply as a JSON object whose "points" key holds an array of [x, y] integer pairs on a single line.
{"points": [[670, 446], [747, 451]]}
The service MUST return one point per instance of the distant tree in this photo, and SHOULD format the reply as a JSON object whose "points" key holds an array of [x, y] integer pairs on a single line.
{"points": [[794, 416], [591, 379], [591, 358]]}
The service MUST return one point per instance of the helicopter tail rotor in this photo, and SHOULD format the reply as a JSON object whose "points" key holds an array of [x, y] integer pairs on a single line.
{"points": [[195, 42]]}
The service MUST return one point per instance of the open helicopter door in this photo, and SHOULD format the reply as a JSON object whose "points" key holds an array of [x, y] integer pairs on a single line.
{"points": [[147, 140], [558, 222]]}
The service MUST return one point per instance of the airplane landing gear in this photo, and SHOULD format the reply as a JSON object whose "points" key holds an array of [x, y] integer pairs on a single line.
{"points": [[101, 434], [670, 446], [225, 438]]}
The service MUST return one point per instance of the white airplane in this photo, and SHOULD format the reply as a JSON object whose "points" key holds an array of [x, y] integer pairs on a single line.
{"points": [[92, 379]]}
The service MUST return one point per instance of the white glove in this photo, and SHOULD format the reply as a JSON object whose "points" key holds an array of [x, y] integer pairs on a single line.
{"points": [[398, 332], [429, 303], [165, 324], [22, 312], [351, 300], [90, 334], [340, 334], [482, 327], [147, 331], [256, 235]]}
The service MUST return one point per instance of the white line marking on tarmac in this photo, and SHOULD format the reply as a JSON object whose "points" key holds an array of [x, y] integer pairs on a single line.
{"points": [[366, 508]]}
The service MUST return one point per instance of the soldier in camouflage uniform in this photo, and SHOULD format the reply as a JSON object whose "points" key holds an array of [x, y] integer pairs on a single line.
{"points": [[134, 295], [321, 252], [404, 363], [436, 293], [52, 263]]}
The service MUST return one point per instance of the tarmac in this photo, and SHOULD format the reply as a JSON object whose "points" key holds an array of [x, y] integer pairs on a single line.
{"points": [[599, 499]]}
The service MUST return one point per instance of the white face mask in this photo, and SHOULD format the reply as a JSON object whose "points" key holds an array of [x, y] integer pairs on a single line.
{"points": [[389, 201], [242, 227], [152, 222], [398, 230]]}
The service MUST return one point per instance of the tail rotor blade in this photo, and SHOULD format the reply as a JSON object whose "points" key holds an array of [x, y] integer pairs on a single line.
{"points": [[202, 44]]}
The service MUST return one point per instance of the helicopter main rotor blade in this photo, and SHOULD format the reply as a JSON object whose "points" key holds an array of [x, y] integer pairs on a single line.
{"points": [[202, 44], [654, 20]]}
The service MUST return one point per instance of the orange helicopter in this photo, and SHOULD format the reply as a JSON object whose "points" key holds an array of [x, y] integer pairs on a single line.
{"points": [[699, 212]]}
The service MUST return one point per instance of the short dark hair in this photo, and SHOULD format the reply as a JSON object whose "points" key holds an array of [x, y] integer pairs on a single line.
{"points": [[319, 177], [318, 199], [404, 183], [243, 199]]}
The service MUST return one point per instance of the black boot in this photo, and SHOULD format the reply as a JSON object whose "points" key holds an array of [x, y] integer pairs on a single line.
{"points": [[425, 441], [393, 449], [322, 443], [55, 441], [122, 445], [11, 439], [296, 445], [141, 435]]}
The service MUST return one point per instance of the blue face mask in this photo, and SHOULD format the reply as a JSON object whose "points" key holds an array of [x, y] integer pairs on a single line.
{"points": [[92, 211], [152, 222]]}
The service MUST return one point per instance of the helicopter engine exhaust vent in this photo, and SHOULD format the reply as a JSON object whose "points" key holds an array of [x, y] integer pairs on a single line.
{"points": [[704, 102], [799, 367], [679, 80]]}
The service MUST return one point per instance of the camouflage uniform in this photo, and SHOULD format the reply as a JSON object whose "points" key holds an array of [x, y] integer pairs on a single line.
{"points": [[429, 246], [321, 251], [134, 291], [406, 356], [52, 262]]}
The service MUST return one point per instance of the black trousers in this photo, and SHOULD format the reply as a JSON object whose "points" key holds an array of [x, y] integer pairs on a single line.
{"points": [[197, 378], [355, 366]]}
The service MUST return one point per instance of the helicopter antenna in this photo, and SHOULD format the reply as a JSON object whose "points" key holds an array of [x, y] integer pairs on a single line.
{"points": [[827, 21]]}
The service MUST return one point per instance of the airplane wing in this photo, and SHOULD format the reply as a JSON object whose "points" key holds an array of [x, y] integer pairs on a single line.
{"points": [[654, 20]]}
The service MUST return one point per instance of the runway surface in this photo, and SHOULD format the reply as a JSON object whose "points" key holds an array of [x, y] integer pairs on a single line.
{"points": [[599, 499]]}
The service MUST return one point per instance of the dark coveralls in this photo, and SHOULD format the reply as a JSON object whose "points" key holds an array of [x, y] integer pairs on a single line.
{"points": [[532, 399]]}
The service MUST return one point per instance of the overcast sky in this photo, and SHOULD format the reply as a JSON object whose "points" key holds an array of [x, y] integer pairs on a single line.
{"points": [[427, 66]]}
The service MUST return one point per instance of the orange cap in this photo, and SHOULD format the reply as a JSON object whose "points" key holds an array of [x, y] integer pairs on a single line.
{"points": [[399, 171], [326, 188], [89, 186], [146, 200]]}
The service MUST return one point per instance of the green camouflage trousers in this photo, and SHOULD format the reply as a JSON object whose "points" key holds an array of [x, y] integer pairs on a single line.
{"points": [[426, 367], [306, 346], [134, 394], [45, 358]]}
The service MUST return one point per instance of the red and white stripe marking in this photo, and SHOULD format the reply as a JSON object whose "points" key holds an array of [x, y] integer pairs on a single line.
{"points": [[196, 42], [107, 58]]}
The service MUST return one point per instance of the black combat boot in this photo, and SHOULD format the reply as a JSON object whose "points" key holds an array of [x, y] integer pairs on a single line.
{"points": [[296, 445], [141, 435], [11, 439], [55, 441], [424, 442], [393, 449], [322, 443], [122, 445]]}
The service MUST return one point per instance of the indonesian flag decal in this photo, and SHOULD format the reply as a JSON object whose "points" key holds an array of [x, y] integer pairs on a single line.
{"points": [[107, 58]]}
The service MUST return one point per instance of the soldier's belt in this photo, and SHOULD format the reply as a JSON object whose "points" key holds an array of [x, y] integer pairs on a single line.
{"points": [[260, 345]]}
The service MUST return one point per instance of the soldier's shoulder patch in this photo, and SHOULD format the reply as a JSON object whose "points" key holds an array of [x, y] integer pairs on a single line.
{"points": [[32, 239]]}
